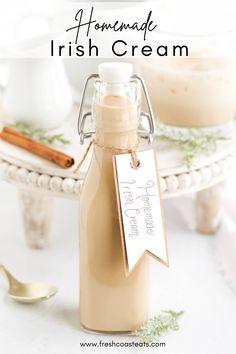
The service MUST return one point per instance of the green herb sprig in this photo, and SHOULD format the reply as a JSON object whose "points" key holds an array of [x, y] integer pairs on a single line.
{"points": [[156, 326], [191, 142], [39, 133]]}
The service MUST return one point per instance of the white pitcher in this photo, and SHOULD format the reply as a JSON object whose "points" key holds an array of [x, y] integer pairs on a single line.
{"points": [[38, 91]]}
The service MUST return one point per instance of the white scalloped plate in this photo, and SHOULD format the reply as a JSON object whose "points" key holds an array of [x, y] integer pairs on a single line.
{"points": [[169, 158]]}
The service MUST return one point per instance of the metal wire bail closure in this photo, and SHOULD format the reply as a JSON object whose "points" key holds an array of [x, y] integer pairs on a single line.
{"points": [[147, 115], [82, 118]]}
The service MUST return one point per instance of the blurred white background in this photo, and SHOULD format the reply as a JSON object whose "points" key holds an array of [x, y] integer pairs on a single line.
{"points": [[193, 283]]}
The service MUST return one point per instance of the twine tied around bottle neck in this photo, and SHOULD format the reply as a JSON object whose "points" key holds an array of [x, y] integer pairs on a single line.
{"points": [[135, 162]]}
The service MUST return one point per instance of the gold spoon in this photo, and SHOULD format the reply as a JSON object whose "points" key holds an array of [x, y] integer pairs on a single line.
{"points": [[27, 292]]}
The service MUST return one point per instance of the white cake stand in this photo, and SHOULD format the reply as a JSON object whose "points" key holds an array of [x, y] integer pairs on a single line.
{"points": [[39, 181]]}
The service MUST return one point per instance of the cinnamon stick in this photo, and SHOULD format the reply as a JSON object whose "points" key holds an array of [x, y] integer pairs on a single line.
{"points": [[25, 142]]}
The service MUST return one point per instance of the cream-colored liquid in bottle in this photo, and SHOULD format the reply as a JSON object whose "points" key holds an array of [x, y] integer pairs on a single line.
{"points": [[109, 300]]}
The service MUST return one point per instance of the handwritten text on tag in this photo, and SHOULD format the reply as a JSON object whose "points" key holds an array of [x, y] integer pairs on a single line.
{"points": [[140, 209]]}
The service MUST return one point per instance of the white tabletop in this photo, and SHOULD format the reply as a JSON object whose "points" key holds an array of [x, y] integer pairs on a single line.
{"points": [[192, 283]]}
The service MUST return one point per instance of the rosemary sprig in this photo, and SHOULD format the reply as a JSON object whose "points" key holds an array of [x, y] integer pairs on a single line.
{"points": [[192, 142], [156, 326], [39, 133]]}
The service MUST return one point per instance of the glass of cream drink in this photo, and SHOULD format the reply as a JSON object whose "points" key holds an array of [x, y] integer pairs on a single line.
{"points": [[194, 91]]}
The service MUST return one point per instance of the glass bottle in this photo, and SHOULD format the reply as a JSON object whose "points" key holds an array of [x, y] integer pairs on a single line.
{"points": [[110, 301]]}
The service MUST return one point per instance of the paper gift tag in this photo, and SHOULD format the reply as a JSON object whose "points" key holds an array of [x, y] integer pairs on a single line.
{"points": [[140, 208]]}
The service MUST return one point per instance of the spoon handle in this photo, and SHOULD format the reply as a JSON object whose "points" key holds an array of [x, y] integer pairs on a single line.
{"points": [[10, 278]]}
